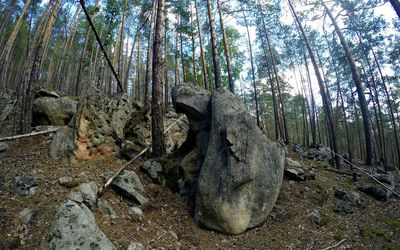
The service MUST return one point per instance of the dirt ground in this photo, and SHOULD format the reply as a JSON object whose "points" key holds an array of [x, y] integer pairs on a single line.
{"points": [[168, 221]]}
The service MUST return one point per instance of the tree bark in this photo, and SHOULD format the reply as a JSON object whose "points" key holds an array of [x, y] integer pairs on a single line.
{"points": [[325, 101], [214, 50], [157, 120], [226, 49], [359, 87], [5, 57], [203, 58], [396, 6]]}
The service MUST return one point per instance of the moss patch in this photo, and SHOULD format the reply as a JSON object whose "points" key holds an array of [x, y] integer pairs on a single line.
{"points": [[368, 232], [72, 183], [390, 221]]}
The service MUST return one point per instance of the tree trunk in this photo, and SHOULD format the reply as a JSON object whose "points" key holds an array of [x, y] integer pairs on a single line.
{"points": [[359, 87], [203, 58], [252, 71], [37, 62], [214, 50], [5, 57], [157, 120], [226, 48], [325, 101], [396, 6], [149, 56]]}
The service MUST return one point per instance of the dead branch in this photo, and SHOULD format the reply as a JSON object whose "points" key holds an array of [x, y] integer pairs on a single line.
{"points": [[108, 183], [336, 245], [9, 138]]}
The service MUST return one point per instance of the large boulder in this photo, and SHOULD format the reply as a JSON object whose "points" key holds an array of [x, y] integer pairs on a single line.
{"points": [[242, 172], [75, 228], [191, 100], [53, 111]]}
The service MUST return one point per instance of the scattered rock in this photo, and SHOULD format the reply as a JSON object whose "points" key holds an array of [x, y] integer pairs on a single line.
{"points": [[348, 202], [89, 193], [154, 169], [24, 185], [242, 172], [297, 148], [135, 246], [106, 208], [3, 147], [299, 174], [292, 163], [129, 184], [26, 215], [318, 154], [75, 228], [315, 216], [68, 182], [46, 93], [53, 111], [378, 191], [136, 213]]}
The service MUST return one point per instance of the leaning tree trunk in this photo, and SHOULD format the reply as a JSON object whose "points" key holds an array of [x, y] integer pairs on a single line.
{"points": [[226, 48], [359, 87], [252, 71], [157, 120], [325, 101], [5, 57], [214, 50], [37, 62], [203, 58], [396, 6]]}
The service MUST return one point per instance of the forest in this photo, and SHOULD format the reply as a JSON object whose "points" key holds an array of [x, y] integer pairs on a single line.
{"points": [[312, 74]]}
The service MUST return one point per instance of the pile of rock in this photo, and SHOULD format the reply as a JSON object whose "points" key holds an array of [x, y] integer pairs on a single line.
{"points": [[236, 171]]}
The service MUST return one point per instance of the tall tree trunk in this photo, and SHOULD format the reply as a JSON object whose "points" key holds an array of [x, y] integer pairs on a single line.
{"points": [[5, 57], [325, 101], [396, 6], [226, 49], [194, 68], [214, 50], [252, 71], [157, 121], [149, 56], [312, 109], [359, 87], [202, 56], [37, 62]]}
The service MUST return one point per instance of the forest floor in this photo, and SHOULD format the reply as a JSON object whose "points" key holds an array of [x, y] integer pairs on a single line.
{"points": [[168, 221]]}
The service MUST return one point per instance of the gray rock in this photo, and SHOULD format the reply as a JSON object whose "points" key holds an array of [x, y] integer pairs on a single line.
{"points": [[3, 147], [191, 166], [154, 169], [192, 101], [129, 184], [378, 191], [24, 185], [318, 154], [75, 228], [47, 93], [348, 202], [242, 172], [63, 181], [26, 215], [136, 213], [297, 148], [292, 163], [89, 193], [62, 145], [53, 111], [294, 174], [75, 196], [135, 246], [315, 216]]}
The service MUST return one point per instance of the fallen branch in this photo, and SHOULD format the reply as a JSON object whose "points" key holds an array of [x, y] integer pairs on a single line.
{"points": [[108, 183], [369, 175], [336, 245], [9, 138]]}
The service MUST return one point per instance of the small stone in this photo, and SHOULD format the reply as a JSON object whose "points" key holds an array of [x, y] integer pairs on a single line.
{"points": [[106, 208], [3, 147], [306, 189], [294, 174], [89, 193], [153, 168], [26, 215], [135, 246], [24, 185], [292, 163], [136, 213], [68, 182], [315, 216], [129, 184]]}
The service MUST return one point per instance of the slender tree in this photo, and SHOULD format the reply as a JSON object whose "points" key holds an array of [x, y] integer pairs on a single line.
{"points": [[214, 50]]}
